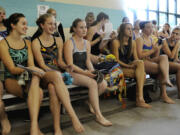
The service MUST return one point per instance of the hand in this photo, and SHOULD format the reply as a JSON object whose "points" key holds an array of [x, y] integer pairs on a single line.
{"points": [[155, 48], [132, 66], [113, 35], [89, 74], [37, 71], [102, 35], [178, 61], [69, 68]]}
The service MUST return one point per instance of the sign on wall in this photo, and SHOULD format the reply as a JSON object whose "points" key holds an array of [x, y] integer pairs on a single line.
{"points": [[41, 9]]}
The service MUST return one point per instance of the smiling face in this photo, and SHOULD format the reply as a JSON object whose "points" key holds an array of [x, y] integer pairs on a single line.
{"points": [[49, 25], [175, 35], [80, 29], [21, 26], [2, 15]]}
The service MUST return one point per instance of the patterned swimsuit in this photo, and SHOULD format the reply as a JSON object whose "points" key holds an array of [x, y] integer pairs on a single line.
{"points": [[19, 56]]}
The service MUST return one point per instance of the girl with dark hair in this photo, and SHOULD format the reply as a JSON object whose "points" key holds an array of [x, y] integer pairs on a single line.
{"points": [[3, 31], [125, 20], [124, 48], [47, 50], [170, 47], [155, 64], [165, 33], [15, 50], [155, 29], [77, 53], [95, 36], [90, 18]]}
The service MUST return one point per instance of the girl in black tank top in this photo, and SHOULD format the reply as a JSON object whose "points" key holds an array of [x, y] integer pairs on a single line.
{"points": [[79, 57], [124, 48], [77, 54], [124, 56]]}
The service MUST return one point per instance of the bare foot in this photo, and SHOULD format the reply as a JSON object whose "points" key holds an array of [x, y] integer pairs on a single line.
{"points": [[90, 107], [77, 125], [6, 126], [103, 121], [168, 100], [143, 104], [168, 83]]}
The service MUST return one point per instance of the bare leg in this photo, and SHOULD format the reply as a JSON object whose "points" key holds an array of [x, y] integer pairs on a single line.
{"points": [[93, 96], [101, 89], [163, 63], [153, 68], [137, 73], [5, 124], [35, 97], [63, 95], [55, 109], [175, 68], [140, 84]]}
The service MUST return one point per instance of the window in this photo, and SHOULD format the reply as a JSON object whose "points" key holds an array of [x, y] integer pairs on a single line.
{"points": [[178, 21], [152, 4], [172, 6], [137, 4], [141, 14], [152, 16], [162, 19], [162, 11], [130, 15], [163, 5], [178, 7], [172, 20]]}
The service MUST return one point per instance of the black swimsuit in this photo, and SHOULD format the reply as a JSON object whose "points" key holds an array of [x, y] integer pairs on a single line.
{"points": [[79, 57], [124, 57], [95, 48]]}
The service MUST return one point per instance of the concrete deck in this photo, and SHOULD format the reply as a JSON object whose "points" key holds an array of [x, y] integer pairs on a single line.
{"points": [[162, 119]]}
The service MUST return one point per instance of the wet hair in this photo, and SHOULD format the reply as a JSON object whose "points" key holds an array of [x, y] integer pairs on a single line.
{"points": [[154, 22], [142, 24], [50, 10], [124, 18], [39, 21], [120, 37], [100, 17], [13, 19], [74, 24]]}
